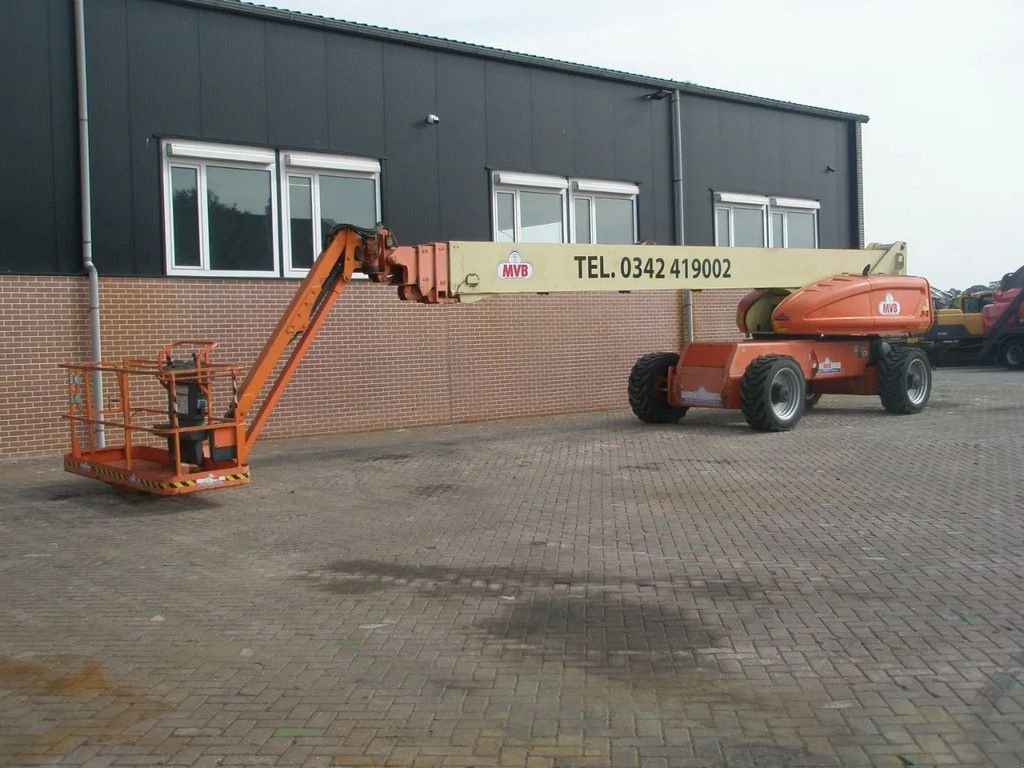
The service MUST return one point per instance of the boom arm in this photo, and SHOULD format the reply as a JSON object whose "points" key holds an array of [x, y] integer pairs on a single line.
{"points": [[441, 273], [446, 273], [349, 249]]}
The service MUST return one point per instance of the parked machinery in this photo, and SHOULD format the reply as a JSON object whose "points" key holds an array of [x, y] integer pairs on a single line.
{"points": [[1004, 322], [978, 326], [837, 334]]}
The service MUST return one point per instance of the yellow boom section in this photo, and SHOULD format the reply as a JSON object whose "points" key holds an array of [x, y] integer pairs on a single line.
{"points": [[478, 270]]}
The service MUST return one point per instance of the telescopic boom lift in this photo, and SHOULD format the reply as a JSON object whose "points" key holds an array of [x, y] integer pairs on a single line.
{"points": [[836, 334]]}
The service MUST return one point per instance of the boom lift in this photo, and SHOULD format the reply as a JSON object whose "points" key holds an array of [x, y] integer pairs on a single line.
{"points": [[830, 336]]}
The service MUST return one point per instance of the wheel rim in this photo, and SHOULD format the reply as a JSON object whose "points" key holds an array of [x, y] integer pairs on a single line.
{"points": [[785, 395], [917, 381], [1015, 354]]}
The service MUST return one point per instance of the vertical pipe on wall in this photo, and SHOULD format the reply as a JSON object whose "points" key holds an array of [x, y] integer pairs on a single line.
{"points": [[85, 194], [677, 195]]}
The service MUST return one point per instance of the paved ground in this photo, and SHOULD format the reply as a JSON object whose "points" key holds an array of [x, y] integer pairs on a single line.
{"points": [[575, 591]]}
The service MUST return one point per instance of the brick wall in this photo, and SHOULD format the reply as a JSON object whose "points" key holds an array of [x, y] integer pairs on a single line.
{"points": [[378, 362], [714, 315]]}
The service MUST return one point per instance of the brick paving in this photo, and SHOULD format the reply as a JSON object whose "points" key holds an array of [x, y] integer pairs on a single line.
{"points": [[559, 592]]}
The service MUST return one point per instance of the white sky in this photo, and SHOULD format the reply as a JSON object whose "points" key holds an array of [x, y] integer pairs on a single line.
{"points": [[942, 80]]}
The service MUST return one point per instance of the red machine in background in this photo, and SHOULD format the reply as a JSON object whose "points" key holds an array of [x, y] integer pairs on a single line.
{"points": [[1003, 321], [835, 335]]}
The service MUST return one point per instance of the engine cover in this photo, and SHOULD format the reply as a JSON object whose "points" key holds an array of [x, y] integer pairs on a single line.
{"points": [[856, 305]]}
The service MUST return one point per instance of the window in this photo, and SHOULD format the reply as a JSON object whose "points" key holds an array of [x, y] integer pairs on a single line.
{"points": [[756, 221], [794, 223], [220, 208], [603, 211], [741, 220], [321, 192], [530, 208]]}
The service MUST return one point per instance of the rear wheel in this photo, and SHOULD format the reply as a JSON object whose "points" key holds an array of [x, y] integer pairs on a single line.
{"points": [[811, 399], [648, 389], [1011, 353], [904, 381], [773, 393]]}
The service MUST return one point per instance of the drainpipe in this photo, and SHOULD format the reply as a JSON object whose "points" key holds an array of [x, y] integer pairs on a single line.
{"points": [[677, 194], [85, 194]]}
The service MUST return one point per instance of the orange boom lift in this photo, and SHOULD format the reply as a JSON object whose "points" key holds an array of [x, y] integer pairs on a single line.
{"points": [[835, 335]]}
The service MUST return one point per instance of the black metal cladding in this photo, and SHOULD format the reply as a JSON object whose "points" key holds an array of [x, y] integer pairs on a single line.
{"points": [[745, 148], [161, 69], [38, 138]]}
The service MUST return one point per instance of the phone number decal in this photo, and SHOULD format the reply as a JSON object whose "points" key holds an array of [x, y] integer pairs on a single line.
{"points": [[654, 268]]}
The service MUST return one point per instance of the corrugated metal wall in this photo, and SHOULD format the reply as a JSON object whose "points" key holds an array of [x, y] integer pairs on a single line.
{"points": [[159, 69], [745, 148], [39, 215]]}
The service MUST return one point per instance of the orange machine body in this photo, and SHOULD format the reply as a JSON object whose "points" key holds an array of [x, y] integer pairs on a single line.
{"points": [[828, 328], [855, 305], [709, 374]]}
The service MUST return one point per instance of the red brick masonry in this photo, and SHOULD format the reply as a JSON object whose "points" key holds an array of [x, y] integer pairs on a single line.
{"points": [[378, 363]]}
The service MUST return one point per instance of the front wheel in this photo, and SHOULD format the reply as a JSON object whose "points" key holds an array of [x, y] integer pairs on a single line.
{"points": [[648, 389], [904, 381], [811, 399], [1011, 353], [773, 393]]}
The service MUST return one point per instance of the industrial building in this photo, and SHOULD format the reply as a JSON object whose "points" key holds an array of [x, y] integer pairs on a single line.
{"points": [[226, 139]]}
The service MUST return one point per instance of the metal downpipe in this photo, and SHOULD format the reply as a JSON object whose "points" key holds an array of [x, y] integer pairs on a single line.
{"points": [[85, 195], [677, 193]]}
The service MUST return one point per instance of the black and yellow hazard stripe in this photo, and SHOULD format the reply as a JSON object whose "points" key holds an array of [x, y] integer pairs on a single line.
{"points": [[113, 475]]}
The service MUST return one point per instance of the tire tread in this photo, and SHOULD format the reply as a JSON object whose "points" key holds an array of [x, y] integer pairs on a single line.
{"points": [[644, 399]]}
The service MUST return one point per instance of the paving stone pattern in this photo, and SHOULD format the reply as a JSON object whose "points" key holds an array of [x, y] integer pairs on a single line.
{"points": [[560, 592]]}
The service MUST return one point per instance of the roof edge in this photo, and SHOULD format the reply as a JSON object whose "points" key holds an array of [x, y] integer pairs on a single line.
{"points": [[242, 8]]}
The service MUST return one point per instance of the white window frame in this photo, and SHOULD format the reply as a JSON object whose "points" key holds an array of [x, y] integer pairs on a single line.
{"points": [[787, 205], [591, 190], [570, 189], [515, 183], [312, 165], [729, 201], [199, 156]]}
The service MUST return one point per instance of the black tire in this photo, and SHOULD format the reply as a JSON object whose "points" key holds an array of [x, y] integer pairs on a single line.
{"points": [[773, 393], [1011, 353], [648, 394], [904, 380], [811, 399]]}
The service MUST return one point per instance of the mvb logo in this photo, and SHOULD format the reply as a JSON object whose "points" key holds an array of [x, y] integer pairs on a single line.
{"points": [[888, 305], [515, 268]]}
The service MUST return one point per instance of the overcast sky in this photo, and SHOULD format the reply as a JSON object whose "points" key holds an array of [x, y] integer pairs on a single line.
{"points": [[942, 80]]}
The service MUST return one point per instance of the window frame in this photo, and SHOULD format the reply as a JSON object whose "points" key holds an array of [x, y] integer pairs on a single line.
{"points": [[200, 156], [769, 207], [312, 165], [787, 205], [515, 183], [591, 190], [729, 201], [570, 189]]}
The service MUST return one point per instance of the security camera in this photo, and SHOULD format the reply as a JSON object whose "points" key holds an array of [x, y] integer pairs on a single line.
{"points": [[433, 119]]}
